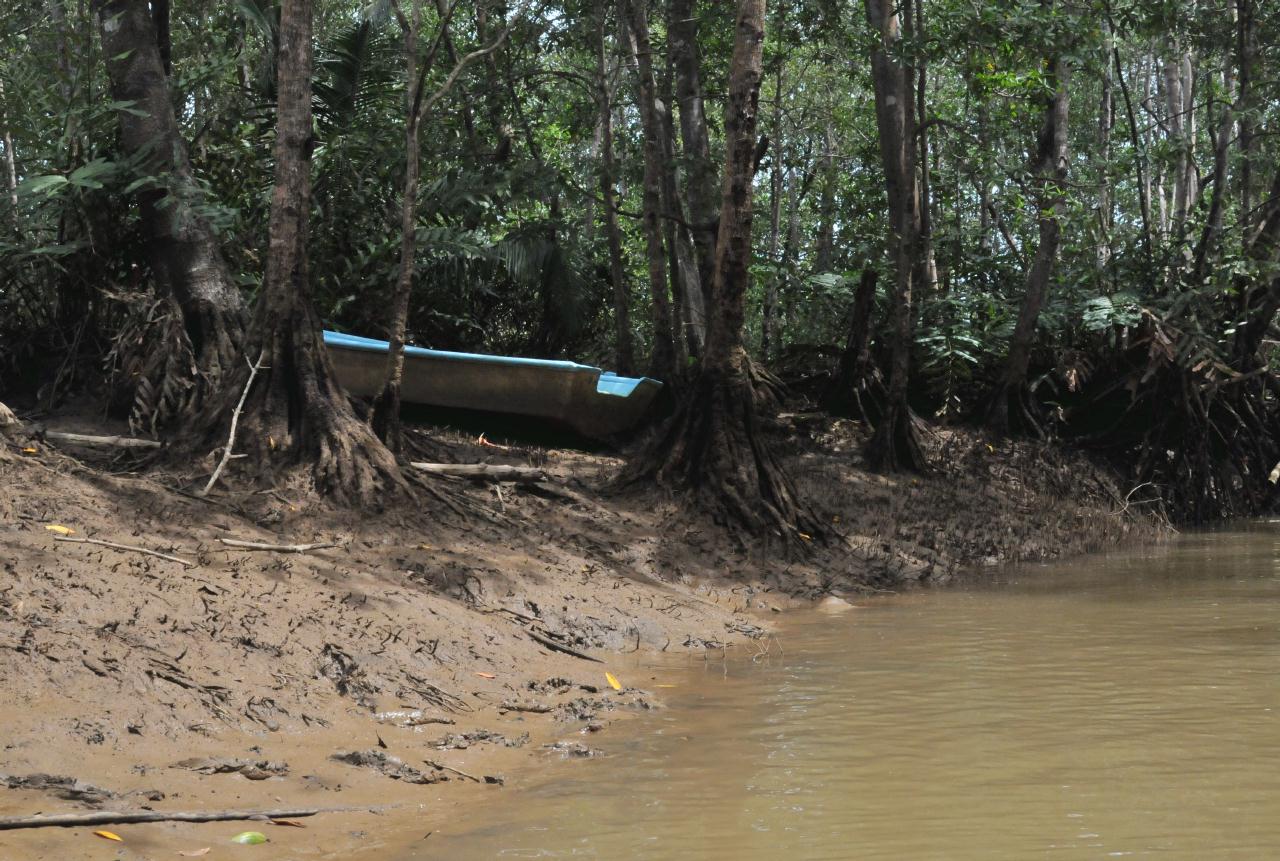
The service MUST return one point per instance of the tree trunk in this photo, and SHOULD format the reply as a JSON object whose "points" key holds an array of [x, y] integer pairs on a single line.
{"points": [[1050, 172], [623, 345], [825, 244], [1178, 91], [686, 283], [1212, 231], [895, 444], [1260, 302], [1136, 141], [10, 162], [181, 246], [926, 281], [1246, 54], [295, 412], [386, 408], [714, 444], [662, 363], [769, 309], [855, 371], [700, 175], [1106, 122], [164, 42]]}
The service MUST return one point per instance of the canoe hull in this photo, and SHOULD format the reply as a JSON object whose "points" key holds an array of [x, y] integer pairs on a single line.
{"points": [[574, 395]]}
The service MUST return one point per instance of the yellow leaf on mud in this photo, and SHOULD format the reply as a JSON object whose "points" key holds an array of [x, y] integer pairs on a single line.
{"points": [[613, 681], [486, 675], [249, 838], [194, 853], [61, 530], [107, 835], [292, 823]]}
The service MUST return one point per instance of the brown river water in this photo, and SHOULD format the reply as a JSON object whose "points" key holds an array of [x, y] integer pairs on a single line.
{"points": [[1109, 707]]}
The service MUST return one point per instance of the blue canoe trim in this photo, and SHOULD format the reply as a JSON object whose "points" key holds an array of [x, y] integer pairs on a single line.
{"points": [[609, 383]]}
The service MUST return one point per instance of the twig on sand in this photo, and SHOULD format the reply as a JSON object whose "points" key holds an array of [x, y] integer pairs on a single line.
{"points": [[126, 547], [553, 645], [277, 548], [458, 771], [121, 817], [235, 420]]}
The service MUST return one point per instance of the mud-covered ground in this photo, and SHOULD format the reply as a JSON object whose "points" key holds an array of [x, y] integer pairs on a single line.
{"points": [[428, 656]]}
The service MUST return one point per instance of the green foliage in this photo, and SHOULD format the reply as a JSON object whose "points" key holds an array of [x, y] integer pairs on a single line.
{"points": [[511, 251]]}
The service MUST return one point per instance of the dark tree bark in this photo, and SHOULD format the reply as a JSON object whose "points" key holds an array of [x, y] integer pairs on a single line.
{"points": [[623, 343], [1260, 301], [701, 175], [1050, 177], [663, 360], [164, 42], [895, 444], [714, 445], [855, 371], [296, 413], [182, 249]]}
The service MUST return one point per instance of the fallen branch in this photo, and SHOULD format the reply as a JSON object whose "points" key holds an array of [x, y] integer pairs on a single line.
{"points": [[485, 471], [100, 441], [276, 548], [126, 547], [553, 645], [457, 771], [117, 817], [235, 420]]}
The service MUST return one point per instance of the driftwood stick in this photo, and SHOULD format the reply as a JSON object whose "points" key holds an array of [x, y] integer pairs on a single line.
{"points": [[235, 420], [458, 771], [100, 441], [484, 471], [126, 547], [553, 645], [276, 548], [115, 817]]}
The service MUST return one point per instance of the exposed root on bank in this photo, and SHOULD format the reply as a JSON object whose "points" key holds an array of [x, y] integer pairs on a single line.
{"points": [[895, 445], [715, 448]]}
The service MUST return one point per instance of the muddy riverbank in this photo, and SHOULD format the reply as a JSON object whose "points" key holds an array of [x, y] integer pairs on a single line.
{"points": [[432, 651]]}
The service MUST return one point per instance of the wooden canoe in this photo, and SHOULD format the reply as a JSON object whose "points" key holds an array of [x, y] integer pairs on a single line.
{"points": [[593, 402]]}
